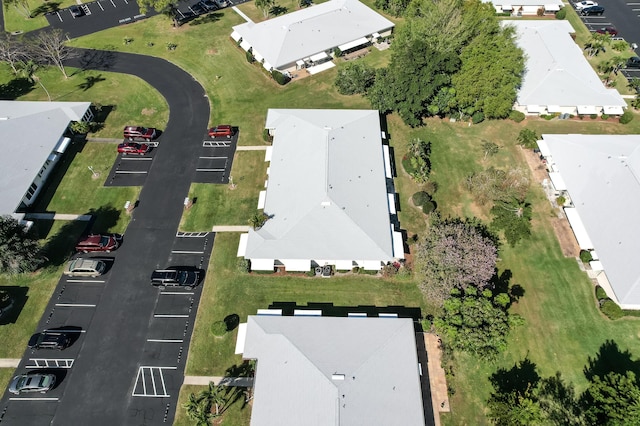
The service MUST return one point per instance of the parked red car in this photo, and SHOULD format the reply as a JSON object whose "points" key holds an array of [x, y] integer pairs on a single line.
{"points": [[608, 30], [133, 148], [98, 242], [137, 132], [221, 130]]}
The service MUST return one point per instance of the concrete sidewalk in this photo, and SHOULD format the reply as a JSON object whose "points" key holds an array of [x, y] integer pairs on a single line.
{"points": [[9, 362], [226, 228], [239, 12], [243, 382], [252, 148]]}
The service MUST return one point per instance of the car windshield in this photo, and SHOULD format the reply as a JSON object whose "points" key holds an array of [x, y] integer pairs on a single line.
{"points": [[44, 380], [183, 277], [21, 382], [104, 241]]}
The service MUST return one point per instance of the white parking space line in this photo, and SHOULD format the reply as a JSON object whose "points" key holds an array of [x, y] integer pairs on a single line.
{"points": [[50, 363], [137, 158], [191, 234], [186, 252], [75, 305], [215, 158], [66, 331], [146, 384], [100, 6], [59, 17], [127, 172], [165, 340], [34, 399], [177, 292], [170, 316], [86, 281], [114, 5], [209, 170]]}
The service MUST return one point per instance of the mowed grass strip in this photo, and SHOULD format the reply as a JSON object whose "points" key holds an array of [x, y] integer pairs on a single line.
{"points": [[73, 188], [227, 291], [226, 204]]}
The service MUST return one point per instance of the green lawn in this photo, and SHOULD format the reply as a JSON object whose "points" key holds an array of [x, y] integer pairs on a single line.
{"points": [[227, 291], [6, 374], [74, 190], [15, 20], [222, 205]]}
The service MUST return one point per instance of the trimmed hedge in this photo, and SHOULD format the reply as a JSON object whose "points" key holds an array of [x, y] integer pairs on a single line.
{"points": [[585, 256], [611, 309], [561, 14], [516, 116], [219, 328], [600, 293], [419, 198], [626, 117]]}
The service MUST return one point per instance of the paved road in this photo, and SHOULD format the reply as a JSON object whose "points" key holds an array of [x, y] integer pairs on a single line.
{"points": [[128, 362]]}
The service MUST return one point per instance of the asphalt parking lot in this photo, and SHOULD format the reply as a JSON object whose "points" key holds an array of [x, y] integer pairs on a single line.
{"points": [[624, 15], [130, 170], [216, 159]]}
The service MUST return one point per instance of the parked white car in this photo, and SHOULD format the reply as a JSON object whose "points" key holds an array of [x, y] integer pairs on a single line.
{"points": [[584, 4]]}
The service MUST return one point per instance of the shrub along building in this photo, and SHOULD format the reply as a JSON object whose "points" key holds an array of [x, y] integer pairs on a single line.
{"points": [[329, 196], [309, 37], [558, 78], [598, 177], [33, 138], [526, 7]]}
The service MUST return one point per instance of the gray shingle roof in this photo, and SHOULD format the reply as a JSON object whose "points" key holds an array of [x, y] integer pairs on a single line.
{"points": [[602, 174], [297, 357], [327, 194], [303, 33], [29, 131]]}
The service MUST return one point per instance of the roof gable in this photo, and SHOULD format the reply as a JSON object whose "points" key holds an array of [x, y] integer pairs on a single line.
{"points": [[297, 357], [327, 195]]}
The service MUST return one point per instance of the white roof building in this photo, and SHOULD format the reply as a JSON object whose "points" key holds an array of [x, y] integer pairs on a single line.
{"points": [[311, 33], [525, 7], [333, 371], [327, 195], [558, 78], [601, 174], [32, 140]]}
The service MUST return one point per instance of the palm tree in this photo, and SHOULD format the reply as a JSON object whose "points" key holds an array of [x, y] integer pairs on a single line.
{"points": [[214, 395], [198, 410], [265, 6], [28, 70]]}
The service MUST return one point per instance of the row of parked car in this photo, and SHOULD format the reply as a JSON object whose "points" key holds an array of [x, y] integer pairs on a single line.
{"points": [[132, 133]]}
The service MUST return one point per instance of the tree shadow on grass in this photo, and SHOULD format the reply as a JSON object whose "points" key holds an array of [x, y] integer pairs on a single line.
{"points": [[45, 8], [59, 247], [519, 379], [15, 88], [17, 299], [278, 10], [205, 19], [610, 358], [90, 81]]}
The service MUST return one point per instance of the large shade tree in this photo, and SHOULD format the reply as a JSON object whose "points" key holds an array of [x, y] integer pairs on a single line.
{"points": [[19, 248], [454, 255]]}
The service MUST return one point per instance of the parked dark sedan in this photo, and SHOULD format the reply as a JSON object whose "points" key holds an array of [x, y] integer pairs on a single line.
{"points": [[50, 340], [593, 10], [633, 62]]}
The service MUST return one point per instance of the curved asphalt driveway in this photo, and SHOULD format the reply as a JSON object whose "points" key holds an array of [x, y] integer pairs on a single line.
{"points": [[97, 390]]}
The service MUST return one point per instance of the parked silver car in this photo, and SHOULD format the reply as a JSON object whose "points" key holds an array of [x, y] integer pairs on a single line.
{"points": [[82, 267], [32, 382]]}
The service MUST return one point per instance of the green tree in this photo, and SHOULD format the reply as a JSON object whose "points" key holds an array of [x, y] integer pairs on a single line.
{"points": [[491, 72], [528, 138], [559, 403], [513, 218], [214, 394], [198, 409], [494, 185], [258, 220], [419, 154], [613, 399], [19, 248], [11, 51], [265, 6], [414, 77], [475, 321], [597, 43], [490, 149], [27, 69], [393, 7], [168, 8], [355, 77]]}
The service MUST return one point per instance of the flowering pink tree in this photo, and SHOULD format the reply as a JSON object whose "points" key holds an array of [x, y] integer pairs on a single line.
{"points": [[454, 254]]}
